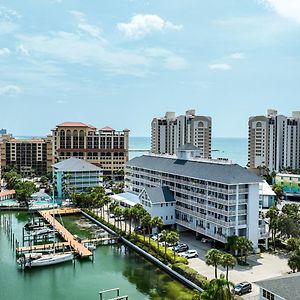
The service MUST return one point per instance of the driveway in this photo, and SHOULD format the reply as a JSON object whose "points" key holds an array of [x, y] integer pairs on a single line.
{"points": [[261, 266]]}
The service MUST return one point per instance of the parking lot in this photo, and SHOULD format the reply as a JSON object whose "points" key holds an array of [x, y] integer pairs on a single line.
{"points": [[261, 266]]}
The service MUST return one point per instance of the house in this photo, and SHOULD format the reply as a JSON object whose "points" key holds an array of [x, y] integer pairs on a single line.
{"points": [[285, 287]]}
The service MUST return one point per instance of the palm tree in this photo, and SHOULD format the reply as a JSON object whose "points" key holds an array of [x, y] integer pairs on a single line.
{"points": [[164, 238], [293, 244], [106, 202], [118, 213], [146, 219], [173, 238], [273, 214], [245, 246], [227, 260], [213, 258], [126, 215], [158, 223], [294, 261], [218, 289]]}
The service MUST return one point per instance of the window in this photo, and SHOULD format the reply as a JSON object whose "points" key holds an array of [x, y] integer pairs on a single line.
{"points": [[166, 218], [268, 295]]}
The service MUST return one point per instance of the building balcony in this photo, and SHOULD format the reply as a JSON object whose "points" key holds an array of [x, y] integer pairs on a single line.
{"points": [[219, 237]]}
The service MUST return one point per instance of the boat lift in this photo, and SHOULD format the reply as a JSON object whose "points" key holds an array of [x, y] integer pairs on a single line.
{"points": [[118, 297]]}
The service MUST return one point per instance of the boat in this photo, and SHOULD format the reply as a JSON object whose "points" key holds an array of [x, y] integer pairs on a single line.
{"points": [[43, 231], [90, 246], [38, 259]]}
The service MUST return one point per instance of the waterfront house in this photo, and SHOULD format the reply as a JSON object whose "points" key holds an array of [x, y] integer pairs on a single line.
{"points": [[290, 184], [7, 195], [266, 195]]}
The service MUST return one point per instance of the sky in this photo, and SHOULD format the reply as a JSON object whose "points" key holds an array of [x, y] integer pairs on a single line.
{"points": [[122, 62]]}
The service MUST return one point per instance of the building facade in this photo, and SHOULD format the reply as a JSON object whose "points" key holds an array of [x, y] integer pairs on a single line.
{"points": [[267, 197], [75, 175], [274, 141], [27, 156], [290, 184], [214, 198], [170, 132], [157, 201], [106, 147]]}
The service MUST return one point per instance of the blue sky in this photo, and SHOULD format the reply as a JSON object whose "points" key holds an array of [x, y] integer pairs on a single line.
{"points": [[122, 62]]}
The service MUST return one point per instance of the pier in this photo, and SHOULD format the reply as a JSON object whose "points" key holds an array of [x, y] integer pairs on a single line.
{"points": [[63, 232]]}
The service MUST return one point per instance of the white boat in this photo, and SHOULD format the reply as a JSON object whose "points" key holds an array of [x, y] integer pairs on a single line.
{"points": [[39, 260], [43, 231], [90, 246]]}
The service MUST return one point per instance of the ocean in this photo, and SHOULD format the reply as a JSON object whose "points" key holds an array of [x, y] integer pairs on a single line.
{"points": [[235, 149]]}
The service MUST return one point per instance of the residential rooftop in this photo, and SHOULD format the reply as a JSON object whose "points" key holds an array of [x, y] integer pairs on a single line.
{"points": [[201, 169], [286, 287], [75, 165], [159, 194]]}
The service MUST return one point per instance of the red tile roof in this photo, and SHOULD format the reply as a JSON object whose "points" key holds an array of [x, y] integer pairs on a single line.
{"points": [[107, 128], [7, 192], [75, 124]]}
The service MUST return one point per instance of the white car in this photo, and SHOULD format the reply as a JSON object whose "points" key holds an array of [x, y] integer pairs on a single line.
{"points": [[189, 254]]}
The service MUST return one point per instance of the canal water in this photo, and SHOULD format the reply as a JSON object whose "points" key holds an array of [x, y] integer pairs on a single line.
{"points": [[112, 267]]}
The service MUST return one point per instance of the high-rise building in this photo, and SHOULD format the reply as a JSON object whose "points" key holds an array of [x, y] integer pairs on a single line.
{"points": [[170, 132], [105, 147], [27, 156], [3, 131], [274, 141]]}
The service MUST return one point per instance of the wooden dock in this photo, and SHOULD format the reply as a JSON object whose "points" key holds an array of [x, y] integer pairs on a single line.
{"points": [[63, 232]]}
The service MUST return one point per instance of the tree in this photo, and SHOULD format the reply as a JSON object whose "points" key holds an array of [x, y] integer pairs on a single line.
{"points": [[127, 216], [231, 242], [118, 213], [245, 246], [278, 190], [273, 214], [288, 227], [294, 261], [164, 238], [213, 258], [218, 289], [227, 261], [293, 244], [158, 223], [291, 210], [145, 220], [172, 239], [24, 190]]}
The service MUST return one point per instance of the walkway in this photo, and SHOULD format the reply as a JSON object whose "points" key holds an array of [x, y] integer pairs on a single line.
{"points": [[65, 234]]}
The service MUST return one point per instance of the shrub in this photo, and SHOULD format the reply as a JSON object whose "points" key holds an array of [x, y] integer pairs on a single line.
{"points": [[191, 274]]}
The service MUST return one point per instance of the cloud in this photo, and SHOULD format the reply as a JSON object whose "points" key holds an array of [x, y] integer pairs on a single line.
{"points": [[223, 67], [143, 25], [4, 52], [7, 20], [22, 50], [171, 61], [287, 8], [237, 55], [6, 90], [61, 101], [75, 49]]}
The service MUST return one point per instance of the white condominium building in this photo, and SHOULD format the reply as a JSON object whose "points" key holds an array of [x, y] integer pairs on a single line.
{"points": [[274, 141], [214, 198], [170, 132]]}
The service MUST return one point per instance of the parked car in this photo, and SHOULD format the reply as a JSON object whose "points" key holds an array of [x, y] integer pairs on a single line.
{"points": [[189, 254], [121, 218], [111, 215], [181, 248], [242, 288]]}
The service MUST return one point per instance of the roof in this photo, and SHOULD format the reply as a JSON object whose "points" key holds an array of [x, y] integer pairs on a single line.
{"points": [[107, 128], [204, 170], [287, 286], [266, 190], [288, 175], [127, 198], [159, 194], [7, 192], [75, 124], [75, 165], [188, 147], [40, 194]]}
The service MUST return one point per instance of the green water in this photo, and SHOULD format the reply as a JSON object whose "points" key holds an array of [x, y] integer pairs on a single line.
{"points": [[112, 267]]}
